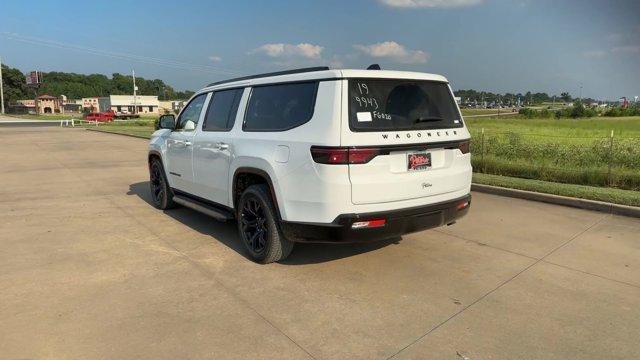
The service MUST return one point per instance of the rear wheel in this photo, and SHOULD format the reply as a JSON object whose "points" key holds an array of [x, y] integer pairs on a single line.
{"points": [[259, 228], [161, 193]]}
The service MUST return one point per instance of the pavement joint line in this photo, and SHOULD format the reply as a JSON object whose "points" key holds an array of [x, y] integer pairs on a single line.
{"points": [[498, 287], [195, 264], [545, 261], [592, 274], [480, 243]]}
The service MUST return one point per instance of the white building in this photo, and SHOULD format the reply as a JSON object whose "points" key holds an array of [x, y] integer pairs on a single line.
{"points": [[126, 104]]}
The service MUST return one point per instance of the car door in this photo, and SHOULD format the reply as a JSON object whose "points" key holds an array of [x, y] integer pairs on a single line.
{"points": [[179, 145], [213, 147]]}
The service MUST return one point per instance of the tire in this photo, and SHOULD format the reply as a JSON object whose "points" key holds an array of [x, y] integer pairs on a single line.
{"points": [[259, 228], [161, 193]]}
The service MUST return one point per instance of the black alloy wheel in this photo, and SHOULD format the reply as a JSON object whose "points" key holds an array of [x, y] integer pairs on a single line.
{"points": [[161, 193], [252, 222], [259, 226], [157, 184]]}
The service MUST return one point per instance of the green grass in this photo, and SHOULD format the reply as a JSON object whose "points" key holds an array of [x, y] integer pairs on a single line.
{"points": [[617, 196], [468, 112], [48, 117], [143, 127], [598, 126], [574, 151]]}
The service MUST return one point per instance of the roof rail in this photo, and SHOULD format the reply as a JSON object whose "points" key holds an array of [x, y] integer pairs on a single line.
{"points": [[286, 72]]}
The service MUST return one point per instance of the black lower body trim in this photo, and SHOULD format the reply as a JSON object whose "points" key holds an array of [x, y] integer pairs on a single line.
{"points": [[397, 223]]}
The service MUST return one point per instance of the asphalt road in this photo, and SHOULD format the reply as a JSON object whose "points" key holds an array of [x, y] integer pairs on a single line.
{"points": [[89, 269]]}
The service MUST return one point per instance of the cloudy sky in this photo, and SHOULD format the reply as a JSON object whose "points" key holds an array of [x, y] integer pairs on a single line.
{"points": [[495, 45]]}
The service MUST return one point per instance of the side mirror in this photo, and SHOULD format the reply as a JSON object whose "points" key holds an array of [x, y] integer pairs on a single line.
{"points": [[167, 122]]}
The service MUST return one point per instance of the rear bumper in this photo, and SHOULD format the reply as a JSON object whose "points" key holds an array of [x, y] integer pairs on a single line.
{"points": [[397, 223]]}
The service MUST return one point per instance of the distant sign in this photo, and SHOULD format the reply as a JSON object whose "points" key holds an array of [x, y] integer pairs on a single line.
{"points": [[34, 78]]}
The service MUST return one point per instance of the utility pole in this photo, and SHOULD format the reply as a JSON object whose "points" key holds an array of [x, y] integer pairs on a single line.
{"points": [[1, 91], [135, 108], [580, 92]]}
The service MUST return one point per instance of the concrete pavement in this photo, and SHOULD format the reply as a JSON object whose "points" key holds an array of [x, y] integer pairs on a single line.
{"points": [[89, 269]]}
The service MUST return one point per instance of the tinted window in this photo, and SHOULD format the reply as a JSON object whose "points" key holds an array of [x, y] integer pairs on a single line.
{"points": [[280, 107], [191, 112], [222, 110], [379, 105]]}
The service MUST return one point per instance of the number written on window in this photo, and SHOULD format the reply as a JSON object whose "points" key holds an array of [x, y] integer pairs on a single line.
{"points": [[364, 100]]}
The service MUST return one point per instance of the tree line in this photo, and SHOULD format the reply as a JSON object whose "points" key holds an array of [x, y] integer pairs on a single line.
{"points": [[526, 98], [77, 86]]}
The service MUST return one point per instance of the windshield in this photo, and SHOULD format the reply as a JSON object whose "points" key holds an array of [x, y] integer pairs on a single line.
{"points": [[396, 104]]}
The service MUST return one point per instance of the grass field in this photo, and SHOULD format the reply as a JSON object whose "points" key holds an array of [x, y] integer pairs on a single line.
{"points": [[574, 151], [141, 128], [47, 117], [612, 195], [472, 112], [66, 116]]}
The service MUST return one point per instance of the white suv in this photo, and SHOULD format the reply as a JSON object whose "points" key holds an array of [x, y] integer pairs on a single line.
{"points": [[317, 155]]}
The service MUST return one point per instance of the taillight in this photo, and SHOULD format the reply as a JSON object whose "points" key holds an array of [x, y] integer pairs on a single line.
{"points": [[342, 155], [464, 146], [331, 156]]}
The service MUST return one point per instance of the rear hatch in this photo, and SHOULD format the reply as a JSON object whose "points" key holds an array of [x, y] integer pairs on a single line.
{"points": [[406, 140]]}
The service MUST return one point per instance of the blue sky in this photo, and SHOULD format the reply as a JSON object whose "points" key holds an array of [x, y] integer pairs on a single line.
{"points": [[495, 45]]}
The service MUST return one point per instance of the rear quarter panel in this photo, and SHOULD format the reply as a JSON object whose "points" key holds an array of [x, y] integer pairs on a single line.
{"points": [[301, 186]]}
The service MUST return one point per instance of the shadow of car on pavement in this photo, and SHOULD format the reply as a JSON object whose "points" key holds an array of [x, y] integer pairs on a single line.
{"points": [[227, 234]]}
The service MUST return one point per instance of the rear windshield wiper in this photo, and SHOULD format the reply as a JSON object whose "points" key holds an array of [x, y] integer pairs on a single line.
{"points": [[428, 118]]}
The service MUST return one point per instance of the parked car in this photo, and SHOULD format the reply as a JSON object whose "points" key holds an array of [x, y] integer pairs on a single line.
{"points": [[316, 155], [100, 117]]}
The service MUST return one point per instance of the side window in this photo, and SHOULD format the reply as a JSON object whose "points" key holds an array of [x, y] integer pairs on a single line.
{"points": [[280, 107], [222, 110], [189, 116]]}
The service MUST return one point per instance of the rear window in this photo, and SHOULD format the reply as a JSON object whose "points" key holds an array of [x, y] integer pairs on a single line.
{"points": [[280, 107], [394, 104]]}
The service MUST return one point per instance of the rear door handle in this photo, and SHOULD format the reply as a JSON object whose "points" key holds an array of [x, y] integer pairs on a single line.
{"points": [[222, 146], [187, 143]]}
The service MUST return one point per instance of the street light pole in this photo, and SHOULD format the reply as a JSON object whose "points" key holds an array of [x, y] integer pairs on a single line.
{"points": [[133, 73], [1, 91]]}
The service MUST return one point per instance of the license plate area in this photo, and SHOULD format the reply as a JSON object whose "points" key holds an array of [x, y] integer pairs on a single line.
{"points": [[418, 161]]}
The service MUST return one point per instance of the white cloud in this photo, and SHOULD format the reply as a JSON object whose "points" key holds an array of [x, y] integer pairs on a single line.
{"points": [[215, 58], [430, 3], [630, 49], [394, 51], [280, 50]]}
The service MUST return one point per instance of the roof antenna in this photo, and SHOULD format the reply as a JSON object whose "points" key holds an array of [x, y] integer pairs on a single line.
{"points": [[374, 67]]}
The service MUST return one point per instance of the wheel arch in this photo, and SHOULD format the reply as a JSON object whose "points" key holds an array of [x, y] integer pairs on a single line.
{"points": [[245, 176], [153, 154]]}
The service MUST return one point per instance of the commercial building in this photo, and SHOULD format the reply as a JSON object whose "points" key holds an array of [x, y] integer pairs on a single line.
{"points": [[122, 104], [47, 104], [127, 104]]}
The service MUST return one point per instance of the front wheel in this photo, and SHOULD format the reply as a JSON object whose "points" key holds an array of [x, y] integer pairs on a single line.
{"points": [[161, 193], [259, 228]]}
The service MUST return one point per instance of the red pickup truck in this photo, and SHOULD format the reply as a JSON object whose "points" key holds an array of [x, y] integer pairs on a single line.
{"points": [[107, 116], [101, 117]]}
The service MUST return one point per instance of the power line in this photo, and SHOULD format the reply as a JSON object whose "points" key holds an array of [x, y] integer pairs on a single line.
{"points": [[118, 55]]}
